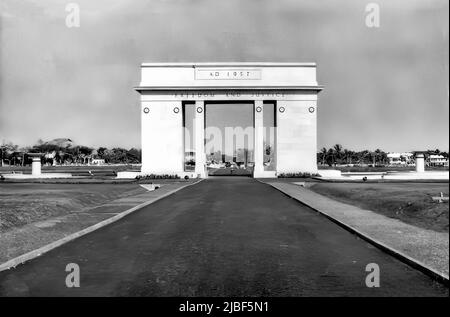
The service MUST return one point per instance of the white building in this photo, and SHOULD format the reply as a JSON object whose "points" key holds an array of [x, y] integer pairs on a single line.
{"points": [[437, 160], [404, 158], [166, 88], [97, 161]]}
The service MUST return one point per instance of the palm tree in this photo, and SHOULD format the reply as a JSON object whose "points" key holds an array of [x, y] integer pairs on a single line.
{"points": [[362, 156], [330, 157], [348, 156], [337, 152], [323, 154], [384, 157], [377, 155]]}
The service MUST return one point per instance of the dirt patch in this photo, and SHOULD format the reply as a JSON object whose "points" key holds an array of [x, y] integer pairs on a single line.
{"points": [[408, 202]]}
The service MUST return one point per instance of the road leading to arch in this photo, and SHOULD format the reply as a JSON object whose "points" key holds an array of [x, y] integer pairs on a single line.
{"points": [[221, 237]]}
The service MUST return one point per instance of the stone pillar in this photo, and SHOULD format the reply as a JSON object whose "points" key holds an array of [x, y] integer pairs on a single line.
{"points": [[420, 163], [36, 164], [199, 139], [162, 137], [259, 140]]}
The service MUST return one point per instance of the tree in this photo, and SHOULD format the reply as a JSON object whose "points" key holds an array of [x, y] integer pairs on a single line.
{"points": [[84, 154], [330, 157], [364, 156], [133, 156], [376, 156], [101, 152], [59, 151], [7, 149], [323, 155], [337, 153], [347, 156]]}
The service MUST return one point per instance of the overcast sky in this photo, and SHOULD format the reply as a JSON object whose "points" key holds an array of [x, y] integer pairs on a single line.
{"points": [[385, 87]]}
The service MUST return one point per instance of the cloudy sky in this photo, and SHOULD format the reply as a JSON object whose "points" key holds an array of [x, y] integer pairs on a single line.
{"points": [[385, 87]]}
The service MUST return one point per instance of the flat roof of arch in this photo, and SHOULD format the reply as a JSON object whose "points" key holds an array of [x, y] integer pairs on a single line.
{"points": [[230, 64], [228, 75]]}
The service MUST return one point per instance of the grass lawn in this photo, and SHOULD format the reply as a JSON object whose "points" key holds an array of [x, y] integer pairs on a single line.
{"points": [[83, 170], [408, 202], [23, 203], [65, 168], [380, 169]]}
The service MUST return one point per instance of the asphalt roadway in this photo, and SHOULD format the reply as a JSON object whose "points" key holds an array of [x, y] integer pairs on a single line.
{"points": [[222, 237]]}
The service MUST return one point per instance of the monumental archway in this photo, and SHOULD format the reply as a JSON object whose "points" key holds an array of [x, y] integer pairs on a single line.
{"points": [[289, 88]]}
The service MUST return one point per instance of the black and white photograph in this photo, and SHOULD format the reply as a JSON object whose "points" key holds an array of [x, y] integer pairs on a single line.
{"points": [[224, 156]]}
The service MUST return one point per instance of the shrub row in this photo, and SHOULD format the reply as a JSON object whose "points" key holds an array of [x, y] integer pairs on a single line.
{"points": [[297, 175], [157, 176]]}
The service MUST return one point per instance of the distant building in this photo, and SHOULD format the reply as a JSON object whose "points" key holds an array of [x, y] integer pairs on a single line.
{"points": [[97, 161], [437, 160], [404, 158]]}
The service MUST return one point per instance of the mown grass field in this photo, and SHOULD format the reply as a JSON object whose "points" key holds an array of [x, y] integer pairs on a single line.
{"points": [[408, 202], [380, 168], [24, 203], [71, 168]]}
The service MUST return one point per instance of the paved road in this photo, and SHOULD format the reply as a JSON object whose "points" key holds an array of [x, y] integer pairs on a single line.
{"points": [[222, 237]]}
